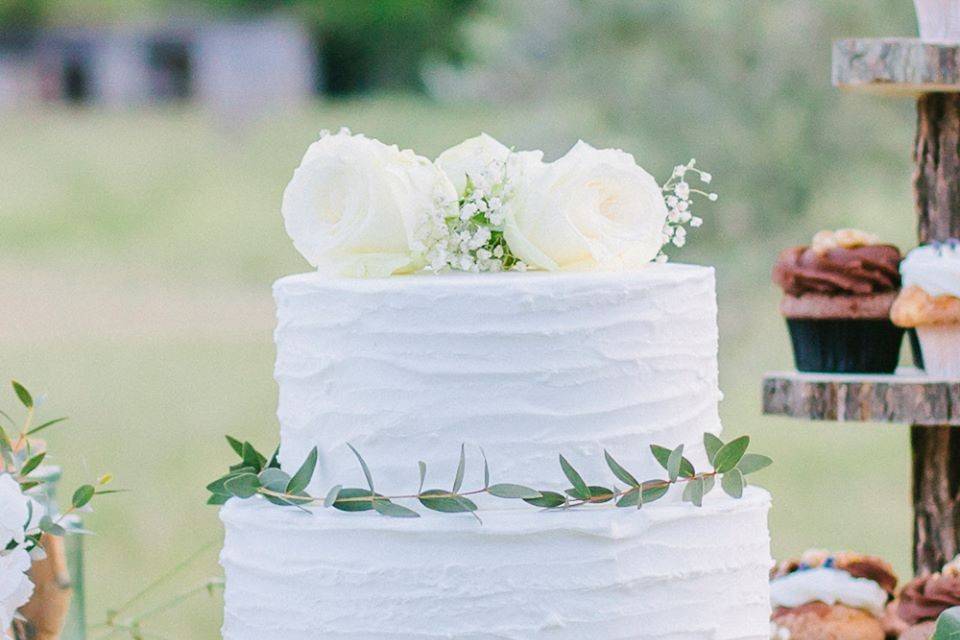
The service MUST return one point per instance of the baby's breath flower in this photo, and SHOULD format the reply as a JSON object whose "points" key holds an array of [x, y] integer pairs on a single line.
{"points": [[678, 198]]}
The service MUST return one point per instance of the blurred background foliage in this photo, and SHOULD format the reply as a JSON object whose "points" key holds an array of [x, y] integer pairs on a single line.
{"points": [[137, 246]]}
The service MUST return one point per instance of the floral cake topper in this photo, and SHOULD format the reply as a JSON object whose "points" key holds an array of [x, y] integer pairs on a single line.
{"points": [[357, 207]]}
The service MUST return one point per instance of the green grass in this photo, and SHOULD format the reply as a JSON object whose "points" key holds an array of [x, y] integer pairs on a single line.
{"points": [[137, 251]]}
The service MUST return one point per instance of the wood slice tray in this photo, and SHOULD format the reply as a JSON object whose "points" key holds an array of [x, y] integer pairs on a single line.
{"points": [[909, 397], [896, 66]]}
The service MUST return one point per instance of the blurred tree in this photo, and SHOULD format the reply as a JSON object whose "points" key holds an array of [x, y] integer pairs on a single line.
{"points": [[373, 44], [745, 85], [21, 13]]}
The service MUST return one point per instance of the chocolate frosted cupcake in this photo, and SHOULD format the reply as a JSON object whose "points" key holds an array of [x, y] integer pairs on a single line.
{"points": [[840, 596], [837, 298], [923, 599]]}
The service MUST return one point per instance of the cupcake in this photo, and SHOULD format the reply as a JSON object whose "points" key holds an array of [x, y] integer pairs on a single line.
{"points": [[837, 295], [825, 596], [923, 599], [930, 302]]}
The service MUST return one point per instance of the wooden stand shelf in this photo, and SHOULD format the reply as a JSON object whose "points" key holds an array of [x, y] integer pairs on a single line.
{"points": [[931, 73], [908, 397], [896, 66]]}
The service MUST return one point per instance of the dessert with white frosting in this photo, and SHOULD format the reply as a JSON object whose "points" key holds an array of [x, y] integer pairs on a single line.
{"points": [[578, 343], [843, 596], [930, 302]]}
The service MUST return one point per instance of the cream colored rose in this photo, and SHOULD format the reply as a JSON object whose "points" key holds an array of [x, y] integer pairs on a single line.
{"points": [[477, 158], [591, 209], [355, 205]]}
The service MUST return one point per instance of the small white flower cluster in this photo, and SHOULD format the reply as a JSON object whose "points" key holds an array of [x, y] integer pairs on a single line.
{"points": [[679, 197], [471, 239], [779, 633]]}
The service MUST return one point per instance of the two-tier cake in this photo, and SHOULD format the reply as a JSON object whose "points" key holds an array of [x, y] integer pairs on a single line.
{"points": [[576, 347]]}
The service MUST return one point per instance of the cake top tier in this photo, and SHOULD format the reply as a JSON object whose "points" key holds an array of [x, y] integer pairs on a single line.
{"points": [[526, 366], [357, 207]]}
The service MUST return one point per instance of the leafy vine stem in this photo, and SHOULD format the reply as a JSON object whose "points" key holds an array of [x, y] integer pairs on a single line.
{"points": [[255, 476]]}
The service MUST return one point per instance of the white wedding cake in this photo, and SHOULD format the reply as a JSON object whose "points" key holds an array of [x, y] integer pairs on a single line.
{"points": [[512, 368]]}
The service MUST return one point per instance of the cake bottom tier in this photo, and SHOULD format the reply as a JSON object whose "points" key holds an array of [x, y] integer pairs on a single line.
{"points": [[670, 571]]}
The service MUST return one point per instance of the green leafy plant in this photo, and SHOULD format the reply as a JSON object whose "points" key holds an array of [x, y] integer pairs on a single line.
{"points": [[21, 454], [255, 475], [948, 625]]}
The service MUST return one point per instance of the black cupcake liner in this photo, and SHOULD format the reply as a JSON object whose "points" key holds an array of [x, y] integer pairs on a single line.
{"points": [[915, 348], [845, 346]]}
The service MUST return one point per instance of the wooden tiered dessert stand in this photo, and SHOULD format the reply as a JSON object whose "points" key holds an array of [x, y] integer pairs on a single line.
{"points": [[930, 73]]}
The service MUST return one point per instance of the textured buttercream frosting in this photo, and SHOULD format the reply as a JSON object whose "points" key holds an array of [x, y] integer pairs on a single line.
{"points": [[667, 572], [526, 366]]}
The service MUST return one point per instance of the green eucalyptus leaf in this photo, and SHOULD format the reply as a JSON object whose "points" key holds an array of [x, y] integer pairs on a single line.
{"points": [[732, 483], [347, 500], [218, 499], [301, 479], [730, 454], [662, 454], [275, 480], [712, 444], [709, 482], [629, 499], [486, 469], [513, 491], [32, 463], [654, 490], [393, 510], [25, 398], [423, 474], [753, 462], [363, 466], [236, 445], [948, 625], [46, 425], [243, 485], [581, 488], [674, 462], [274, 459], [598, 494], [332, 496], [693, 492], [47, 525], [29, 484], [445, 502], [83, 495], [461, 469], [252, 457], [547, 500], [622, 474]]}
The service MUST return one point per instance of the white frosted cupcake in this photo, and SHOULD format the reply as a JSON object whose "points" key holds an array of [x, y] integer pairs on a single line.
{"points": [[930, 302]]}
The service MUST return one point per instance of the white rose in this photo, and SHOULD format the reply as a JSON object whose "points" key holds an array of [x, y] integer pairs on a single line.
{"points": [[15, 585], [14, 511], [355, 205], [475, 158], [591, 209]]}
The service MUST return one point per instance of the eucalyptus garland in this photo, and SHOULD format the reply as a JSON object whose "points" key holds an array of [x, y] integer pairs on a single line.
{"points": [[255, 475]]}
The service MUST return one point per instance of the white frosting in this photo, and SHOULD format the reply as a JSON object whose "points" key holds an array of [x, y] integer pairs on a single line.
{"points": [[830, 586], [667, 572], [935, 269], [525, 365]]}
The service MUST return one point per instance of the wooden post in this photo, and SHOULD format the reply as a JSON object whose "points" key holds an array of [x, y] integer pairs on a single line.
{"points": [[936, 450]]}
